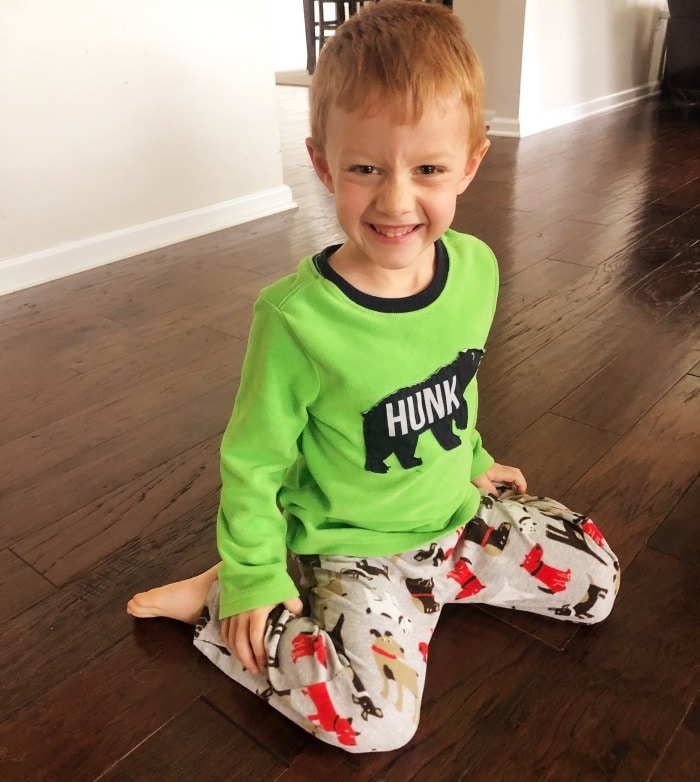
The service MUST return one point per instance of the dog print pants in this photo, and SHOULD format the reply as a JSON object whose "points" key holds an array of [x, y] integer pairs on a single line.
{"points": [[352, 669]]}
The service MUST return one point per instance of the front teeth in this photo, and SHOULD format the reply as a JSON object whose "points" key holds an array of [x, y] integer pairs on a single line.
{"points": [[392, 234]]}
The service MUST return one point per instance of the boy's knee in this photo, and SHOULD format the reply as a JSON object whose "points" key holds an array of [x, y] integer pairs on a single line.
{"points": [[601, 612], [600, 597], [383, 735]]}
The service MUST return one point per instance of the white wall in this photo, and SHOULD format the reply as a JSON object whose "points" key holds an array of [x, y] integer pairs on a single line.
{"points": [[495, 28], [585, 56], [563, 59], [128, 125], [287, 34]]}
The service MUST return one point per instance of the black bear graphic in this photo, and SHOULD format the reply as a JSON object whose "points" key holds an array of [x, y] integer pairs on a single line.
{"points": [[394, 424]]}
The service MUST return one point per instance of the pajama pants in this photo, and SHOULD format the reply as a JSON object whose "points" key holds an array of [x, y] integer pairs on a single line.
{"points": [[351, 670]]}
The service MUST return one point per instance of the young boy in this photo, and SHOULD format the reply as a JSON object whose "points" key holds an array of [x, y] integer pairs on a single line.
{"points": [[356, 414]]}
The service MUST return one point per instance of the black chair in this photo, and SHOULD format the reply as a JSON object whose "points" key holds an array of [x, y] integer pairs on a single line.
{"points": [[322, 18], [681, 79]]}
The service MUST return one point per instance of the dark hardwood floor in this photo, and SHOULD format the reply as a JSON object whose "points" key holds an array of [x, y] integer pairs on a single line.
{"points": [[116, 386]]}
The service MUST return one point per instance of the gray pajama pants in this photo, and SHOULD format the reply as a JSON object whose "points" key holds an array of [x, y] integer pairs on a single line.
{"points": [[352, 669]]}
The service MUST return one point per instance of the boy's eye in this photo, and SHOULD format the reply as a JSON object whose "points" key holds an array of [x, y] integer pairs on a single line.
{"points": [[427, 170], [363, 169]]}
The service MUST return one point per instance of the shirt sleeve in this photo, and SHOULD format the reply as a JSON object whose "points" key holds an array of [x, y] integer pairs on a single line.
{"points": [[481, 458], [278, 382]]}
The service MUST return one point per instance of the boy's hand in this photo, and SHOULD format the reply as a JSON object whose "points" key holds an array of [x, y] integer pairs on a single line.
{"points": [[244, 633], [500, 473]]}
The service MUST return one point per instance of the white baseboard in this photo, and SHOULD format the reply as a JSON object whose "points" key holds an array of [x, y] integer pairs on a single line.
{"points": [[504, 126], [536, 123], [54, 262]]}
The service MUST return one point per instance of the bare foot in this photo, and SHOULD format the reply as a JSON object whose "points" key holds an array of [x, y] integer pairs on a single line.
{"points": [[181, 600]]}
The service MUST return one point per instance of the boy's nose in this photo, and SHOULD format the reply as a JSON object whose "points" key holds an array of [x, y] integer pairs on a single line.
{"points": [[395, 197]]}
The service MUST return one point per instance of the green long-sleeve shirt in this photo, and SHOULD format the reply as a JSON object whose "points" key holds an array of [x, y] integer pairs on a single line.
{"points": [[357, 415]]}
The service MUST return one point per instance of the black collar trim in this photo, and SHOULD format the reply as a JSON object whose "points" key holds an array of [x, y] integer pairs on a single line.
{"points": [[411, 303]]}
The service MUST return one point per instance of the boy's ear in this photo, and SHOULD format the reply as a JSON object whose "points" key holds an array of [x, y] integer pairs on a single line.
{"points": [[473, 165], [320, 164]]}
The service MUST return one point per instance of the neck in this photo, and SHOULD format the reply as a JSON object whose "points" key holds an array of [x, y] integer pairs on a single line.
{"points": [[382, 282]]}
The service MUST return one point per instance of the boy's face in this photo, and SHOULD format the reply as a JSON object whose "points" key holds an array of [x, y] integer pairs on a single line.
{"points": [[395, 185]]}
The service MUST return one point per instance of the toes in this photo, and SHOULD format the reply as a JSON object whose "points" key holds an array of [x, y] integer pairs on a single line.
{"points": [[135, 607]]}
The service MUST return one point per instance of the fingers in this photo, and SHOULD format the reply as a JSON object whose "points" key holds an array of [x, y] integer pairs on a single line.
{"points": [[484, 482], [244, 634], [501, 473], [491, 488], [228, 632], [245, 638], [520, 483], [294, 606], [515, 478]]}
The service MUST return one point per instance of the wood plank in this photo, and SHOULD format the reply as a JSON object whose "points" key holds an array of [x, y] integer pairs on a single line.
{"points": [[22, 307], [321, 762], [619, 394], [20, 586], [609, 182], [632, 199], [79, 430], [520, 239], [171, 330], [153, 296], [513, 398], [141, 286], [259, 720], [555, 452], [93, 718], [671, 290], [631, 489], [253, 289], [620, 719], [227, 311], [545, 277], [681, 760], [677, 534], [185, 487], [687, 193], [557, 635], [27, 407], [600, 242], [683, 229], [197, 744], [542, 321], [86, 478], [263, 246], [51, 341], [23, 372], [54, 639], [544, 243]]}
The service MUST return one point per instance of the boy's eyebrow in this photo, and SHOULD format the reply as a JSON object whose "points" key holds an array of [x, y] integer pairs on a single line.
{"points": [[443, 153]]}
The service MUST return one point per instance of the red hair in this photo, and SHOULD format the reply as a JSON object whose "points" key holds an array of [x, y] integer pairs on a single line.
{"points": [[399, 54]]}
